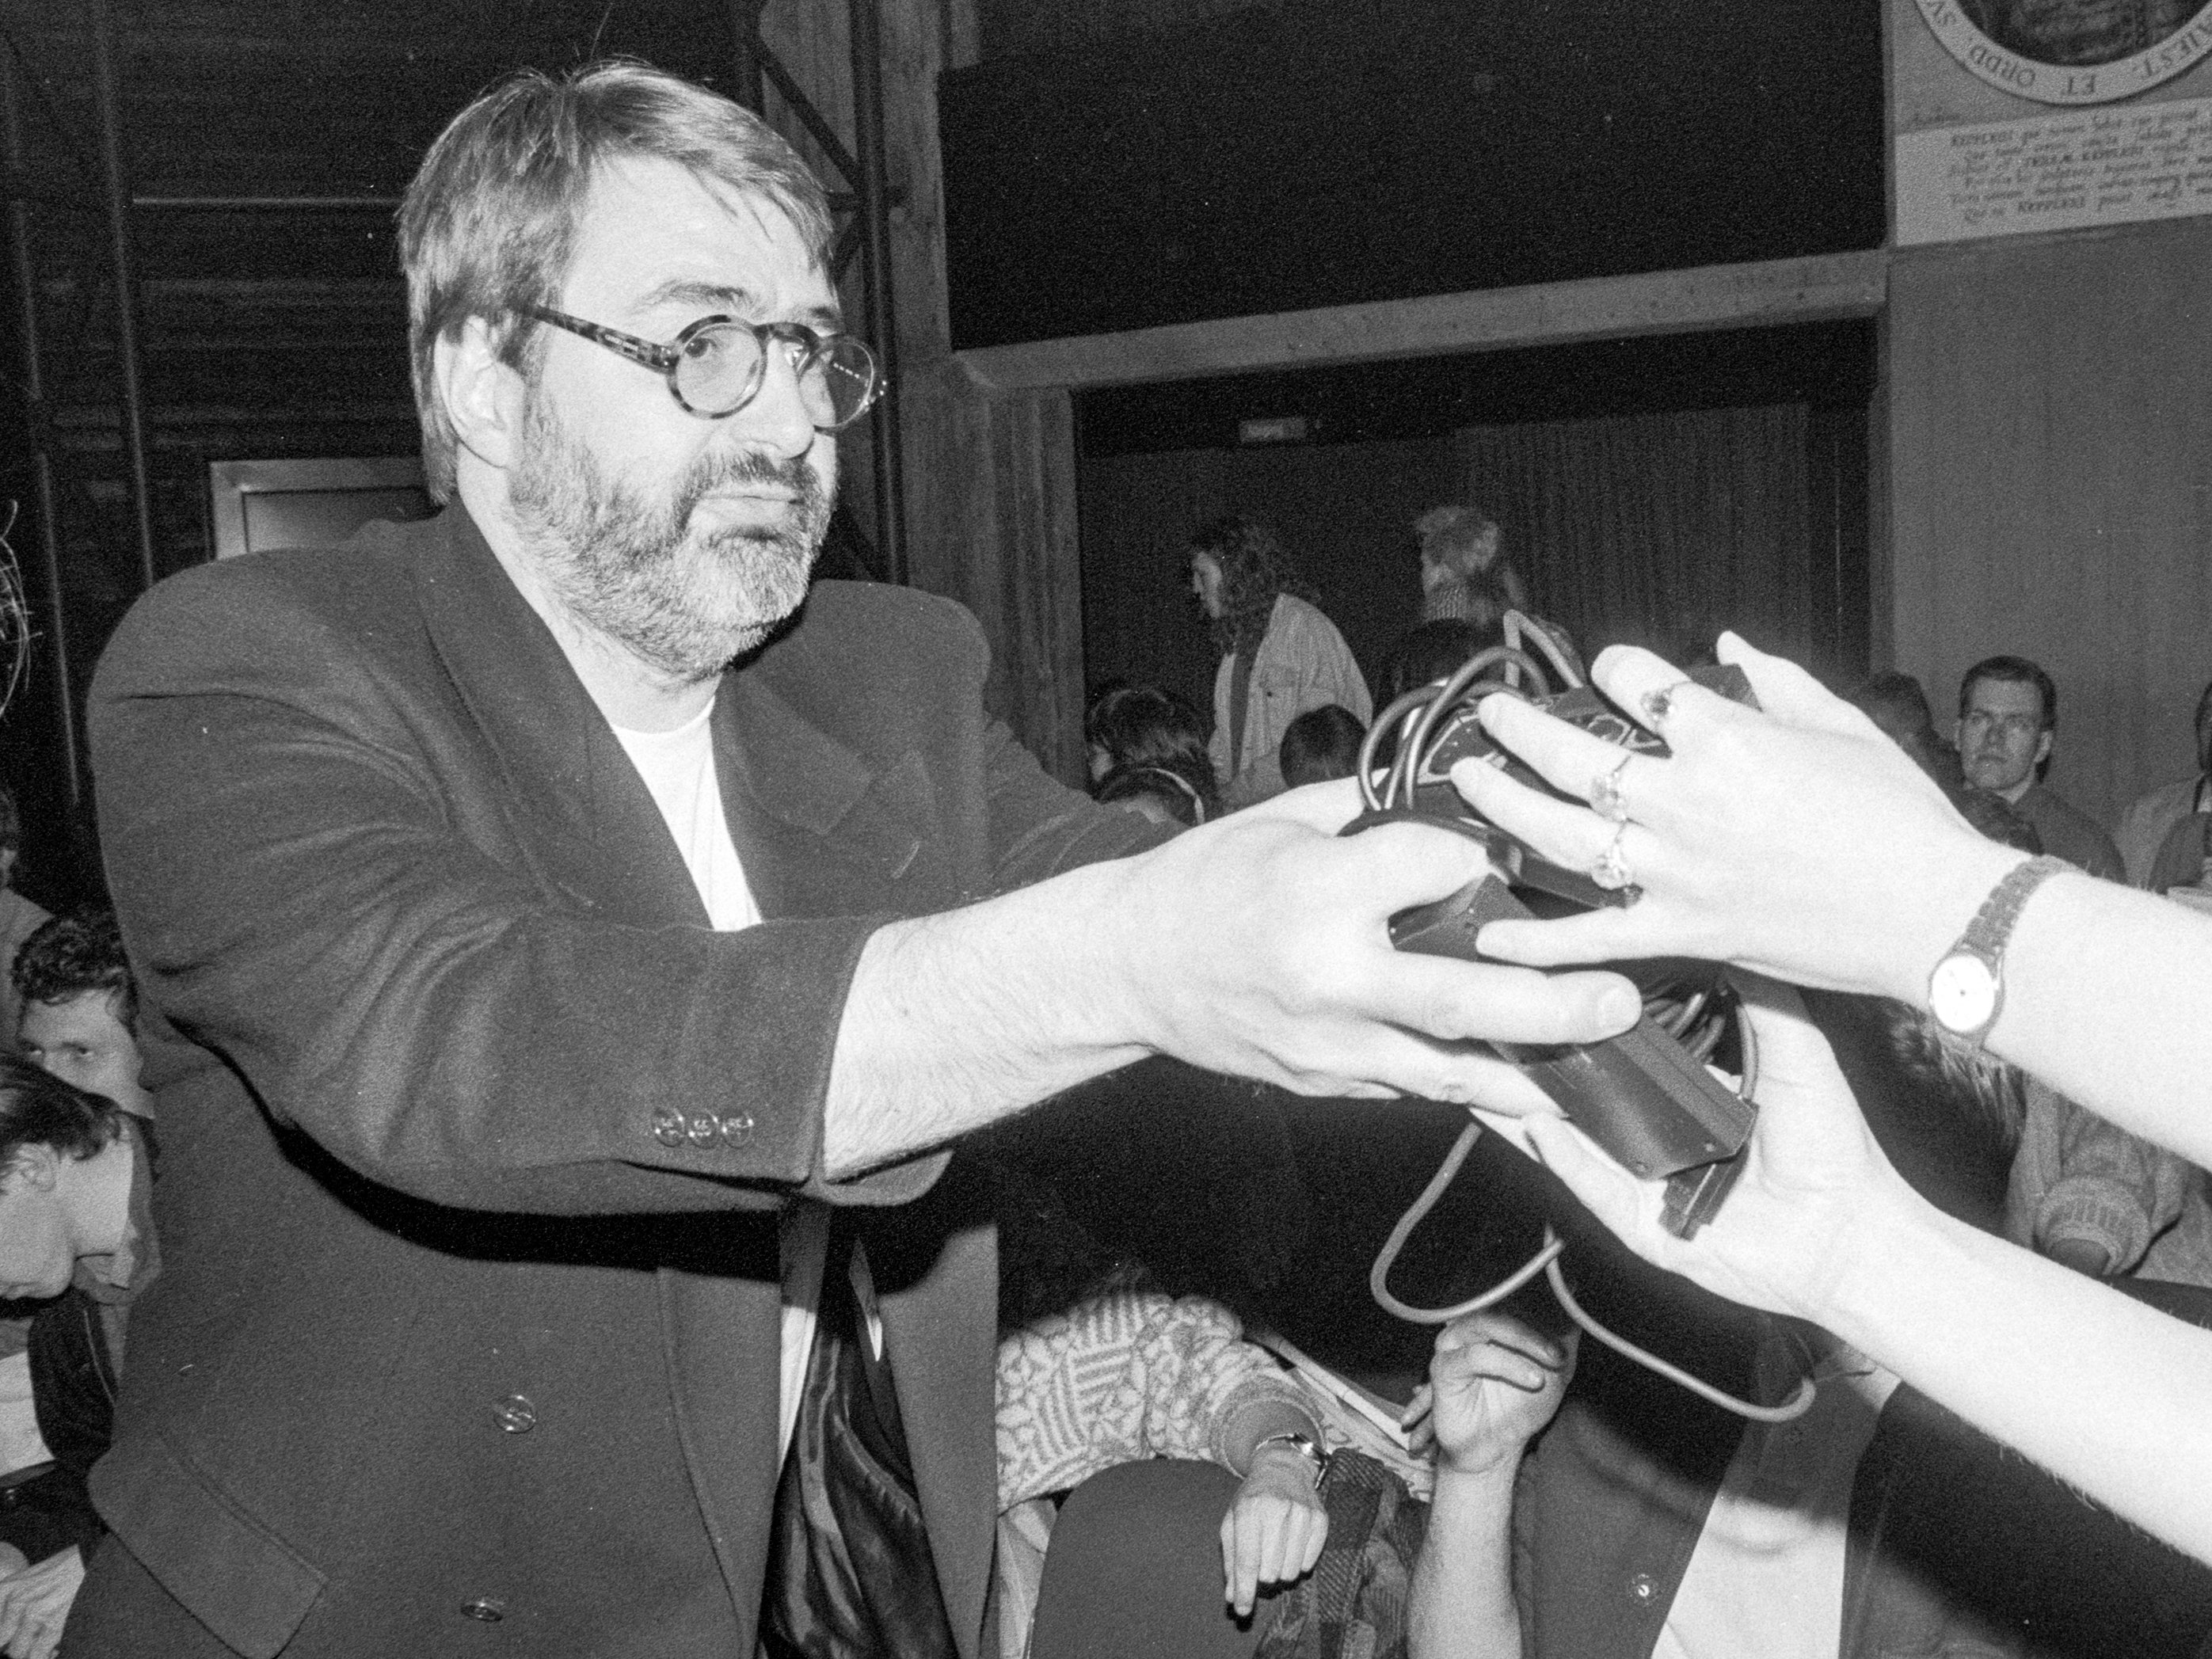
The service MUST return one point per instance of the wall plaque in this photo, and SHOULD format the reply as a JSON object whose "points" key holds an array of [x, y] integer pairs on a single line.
{"points": [[2055, 172], [2073, 51]]}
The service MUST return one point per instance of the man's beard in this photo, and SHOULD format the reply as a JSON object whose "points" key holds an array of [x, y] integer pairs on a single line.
{"points": [[684, 599]]}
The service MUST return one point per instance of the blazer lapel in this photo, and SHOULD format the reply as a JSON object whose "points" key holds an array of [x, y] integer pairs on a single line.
{"points": [[573, 799], [821, 833]]}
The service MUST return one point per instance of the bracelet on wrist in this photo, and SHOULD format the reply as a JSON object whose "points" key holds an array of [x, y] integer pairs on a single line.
{"points": [[1305, 1446]]}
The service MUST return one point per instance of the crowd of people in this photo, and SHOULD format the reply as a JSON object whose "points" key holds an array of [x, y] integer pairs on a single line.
{"points": [[573, 972]]}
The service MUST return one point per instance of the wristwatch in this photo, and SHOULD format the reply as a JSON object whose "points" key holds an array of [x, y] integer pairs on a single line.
{"points": [[1966, 991], [1306, 1446]]}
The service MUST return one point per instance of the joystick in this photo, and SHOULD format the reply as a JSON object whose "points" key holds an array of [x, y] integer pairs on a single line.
{"points": [[1648, 1101]]}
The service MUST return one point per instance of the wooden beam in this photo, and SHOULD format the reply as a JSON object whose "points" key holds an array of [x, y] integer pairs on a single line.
{"points": [[1715, 296]]}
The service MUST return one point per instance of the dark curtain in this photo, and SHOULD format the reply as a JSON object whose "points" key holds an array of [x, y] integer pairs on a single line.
{"points": [[1657, 530]]}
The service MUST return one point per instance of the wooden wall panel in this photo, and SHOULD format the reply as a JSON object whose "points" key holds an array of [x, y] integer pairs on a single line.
{"points": [[992, 522], [989, 476], [2049, 452]]}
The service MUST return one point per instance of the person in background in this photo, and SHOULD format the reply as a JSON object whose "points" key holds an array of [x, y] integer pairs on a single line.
{"points": [[1280, 655], [1146, 744], [75, 1230], [1321, 744], [1464, 576], [2008, 718], [1895, 702], [2161, 835], [1157, 793], [1127, 1373], [80, 1006], [19, 916]]}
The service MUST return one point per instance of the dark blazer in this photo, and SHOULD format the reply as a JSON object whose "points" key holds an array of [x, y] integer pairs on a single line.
{"points": [[475, 1135]]}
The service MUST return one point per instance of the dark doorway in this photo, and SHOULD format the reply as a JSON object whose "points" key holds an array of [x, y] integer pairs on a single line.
{"points": [[1654, 490]]}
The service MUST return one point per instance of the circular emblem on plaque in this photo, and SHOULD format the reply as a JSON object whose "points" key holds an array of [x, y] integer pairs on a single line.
{"points": [[2073, 51]]}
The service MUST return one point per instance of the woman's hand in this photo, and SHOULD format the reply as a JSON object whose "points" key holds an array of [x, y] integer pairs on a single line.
{"points": [[1815, 1179], [1794, 839]]}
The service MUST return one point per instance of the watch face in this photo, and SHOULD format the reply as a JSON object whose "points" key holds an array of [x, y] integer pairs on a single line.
{"points": [[1962, 992]]}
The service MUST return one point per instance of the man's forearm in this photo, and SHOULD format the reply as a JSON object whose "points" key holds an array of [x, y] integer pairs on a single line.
{"points": [[957, 1020], [1258, 946], [1461, 1605]]}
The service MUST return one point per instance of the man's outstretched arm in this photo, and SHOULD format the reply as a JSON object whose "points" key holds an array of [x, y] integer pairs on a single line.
{"points": [[1258, 946]]}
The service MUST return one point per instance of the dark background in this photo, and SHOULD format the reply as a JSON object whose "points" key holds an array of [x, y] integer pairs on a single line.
{"points": [[1329, 152]]}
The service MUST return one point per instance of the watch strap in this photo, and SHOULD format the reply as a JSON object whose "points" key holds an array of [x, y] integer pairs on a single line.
{"points": [[1985, 937], [1992, 925]]}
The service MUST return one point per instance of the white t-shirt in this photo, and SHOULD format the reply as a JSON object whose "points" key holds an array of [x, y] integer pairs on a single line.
{"points": [[1766, 1579], [678, 769]]}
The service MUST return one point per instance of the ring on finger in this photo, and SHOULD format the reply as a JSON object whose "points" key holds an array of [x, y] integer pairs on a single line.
{"points": [[1611, 870], [1605, 794], [1656, 704]]}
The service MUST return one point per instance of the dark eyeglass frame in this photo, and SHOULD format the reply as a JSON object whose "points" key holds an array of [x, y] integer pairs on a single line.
{"points": [[666, 359]]}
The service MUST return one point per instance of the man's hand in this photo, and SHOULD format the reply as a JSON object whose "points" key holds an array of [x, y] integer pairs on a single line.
{"points": [[1794, 839], [1273, 1532], [1493, 1384], [1260, 946], [34, 1604]]}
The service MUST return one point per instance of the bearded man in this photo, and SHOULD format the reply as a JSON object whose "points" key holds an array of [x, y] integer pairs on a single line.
{"points": [[568, 947]]}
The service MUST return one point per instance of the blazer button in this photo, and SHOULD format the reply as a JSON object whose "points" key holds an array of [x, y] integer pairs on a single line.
{"points": [[489, 1609], [704, 1127], [668, 1126], [737, 1128], [1642, 1589], [515, 1414]]}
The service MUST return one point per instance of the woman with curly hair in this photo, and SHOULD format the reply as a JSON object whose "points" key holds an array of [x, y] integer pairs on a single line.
{"points": [[1280, 655]]}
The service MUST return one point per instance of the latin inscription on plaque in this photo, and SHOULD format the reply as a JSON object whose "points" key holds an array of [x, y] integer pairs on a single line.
{"points": [[2055, 172]]}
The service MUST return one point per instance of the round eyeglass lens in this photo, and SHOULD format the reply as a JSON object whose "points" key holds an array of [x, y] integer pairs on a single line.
{"points": [[716, 368], [838, 383], [720, 367]]}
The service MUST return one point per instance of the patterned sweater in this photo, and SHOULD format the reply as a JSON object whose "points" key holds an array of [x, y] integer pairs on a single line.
{"points": [[2078, 1178], [1131, 1374]]}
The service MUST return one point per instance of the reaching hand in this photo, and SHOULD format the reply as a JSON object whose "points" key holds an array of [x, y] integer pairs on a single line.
{"points": [[1493, 1384], [34, 1604], [1814, 1175], [1273, 1532], [1794, 839], [1259, 945]]}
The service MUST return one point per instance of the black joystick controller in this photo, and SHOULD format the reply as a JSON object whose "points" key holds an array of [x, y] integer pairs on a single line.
{"points": [[1642, 1097]]}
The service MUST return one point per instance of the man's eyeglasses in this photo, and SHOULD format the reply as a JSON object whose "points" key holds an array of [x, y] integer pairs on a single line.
{"points": [[716, 365]]}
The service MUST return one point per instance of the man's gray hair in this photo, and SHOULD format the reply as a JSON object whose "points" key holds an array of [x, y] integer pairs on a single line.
{"points": [[488, 224]]}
